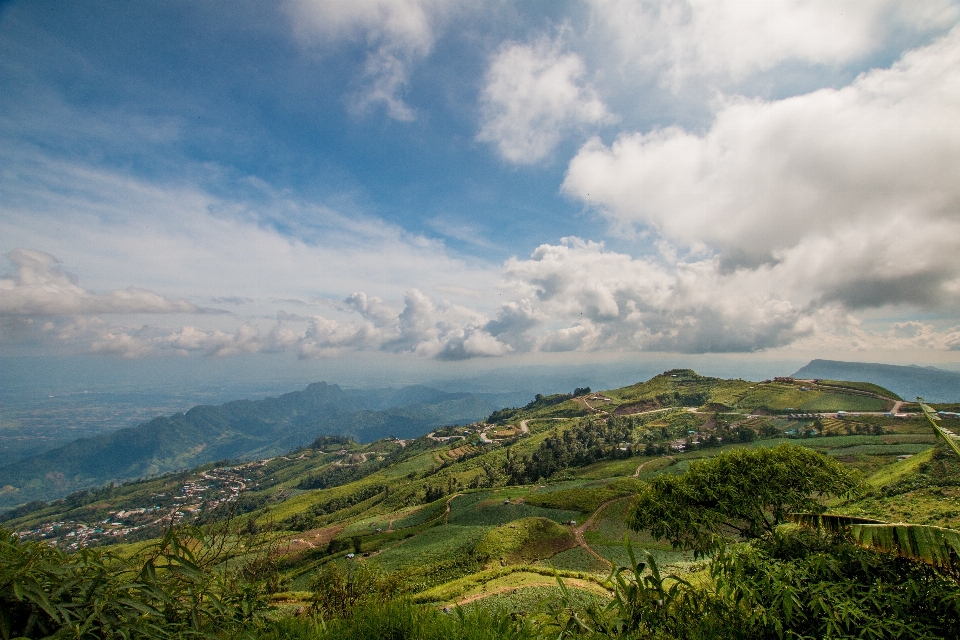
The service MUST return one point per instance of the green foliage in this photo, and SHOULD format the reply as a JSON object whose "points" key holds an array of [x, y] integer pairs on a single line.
{"points": [[949, 438], [746, 492], [339, 587], [647, 604], [401, 620], [331, 443], [934, 545], [502, 415], [580, 445], [304, 520], [802, 584], [182, 586], [337, 475]]}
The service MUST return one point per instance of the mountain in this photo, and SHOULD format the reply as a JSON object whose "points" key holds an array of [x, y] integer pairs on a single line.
{"points": [[930, 383], [239, 429]]}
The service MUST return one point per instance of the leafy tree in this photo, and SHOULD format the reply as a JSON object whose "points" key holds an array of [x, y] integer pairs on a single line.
{"points": [[745, 492], [583, 444]]}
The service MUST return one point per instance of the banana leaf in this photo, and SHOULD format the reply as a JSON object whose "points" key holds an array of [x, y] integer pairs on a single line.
{"points": [[829, 521], [933, 545], [925, 543]]}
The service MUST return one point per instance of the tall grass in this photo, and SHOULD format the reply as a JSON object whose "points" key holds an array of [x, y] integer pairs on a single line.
{"points": [[402, 620]]}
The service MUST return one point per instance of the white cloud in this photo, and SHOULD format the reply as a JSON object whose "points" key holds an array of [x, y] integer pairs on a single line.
{"points": [[849, 195], [398, 33], [41, 288], [575, 296], [597, 299], [534, 95], [182, 241], [680, 39]]}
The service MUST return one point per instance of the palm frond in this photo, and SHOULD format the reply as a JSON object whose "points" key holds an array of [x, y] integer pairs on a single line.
{"points": [[944, 434]]}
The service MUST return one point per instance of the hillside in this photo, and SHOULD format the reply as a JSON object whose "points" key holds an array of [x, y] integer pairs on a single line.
{"points": [[930, 383], [488, 514], [240, 429]]}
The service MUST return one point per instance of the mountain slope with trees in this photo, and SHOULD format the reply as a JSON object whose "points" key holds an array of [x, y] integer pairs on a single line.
{"points": [[239, 429]]}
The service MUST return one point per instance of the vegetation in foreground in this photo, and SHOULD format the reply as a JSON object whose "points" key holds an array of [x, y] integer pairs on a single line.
{"points": [[784, 581]]}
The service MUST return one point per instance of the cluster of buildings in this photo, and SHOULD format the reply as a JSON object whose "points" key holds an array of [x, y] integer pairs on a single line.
{"points": [[205, 492]]}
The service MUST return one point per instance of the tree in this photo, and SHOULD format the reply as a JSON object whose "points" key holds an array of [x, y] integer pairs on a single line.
{"points": [[745, 493]]}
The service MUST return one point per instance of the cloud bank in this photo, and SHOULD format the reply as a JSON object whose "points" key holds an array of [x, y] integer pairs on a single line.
{"points": [[40, 288], [575, 296], [849, 195]]}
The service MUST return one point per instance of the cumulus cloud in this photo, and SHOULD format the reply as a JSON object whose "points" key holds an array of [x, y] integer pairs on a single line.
{"points": [[603, 300], [849, 195], [679, 39], [423, 328], [533, 95], [41, 288], [398, 33]]}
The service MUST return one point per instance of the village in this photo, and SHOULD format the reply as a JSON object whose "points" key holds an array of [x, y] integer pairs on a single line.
{"points": [[206, 491]]}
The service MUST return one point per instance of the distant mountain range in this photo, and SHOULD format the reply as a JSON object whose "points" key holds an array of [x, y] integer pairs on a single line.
{"points": [[930, 383], [241, 429]]}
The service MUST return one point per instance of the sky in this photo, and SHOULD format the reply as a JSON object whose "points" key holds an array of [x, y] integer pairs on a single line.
{"points": [[430, 183]]}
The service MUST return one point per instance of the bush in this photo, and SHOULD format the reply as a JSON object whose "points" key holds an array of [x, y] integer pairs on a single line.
{"points": [[799, 583], [338, 589]]}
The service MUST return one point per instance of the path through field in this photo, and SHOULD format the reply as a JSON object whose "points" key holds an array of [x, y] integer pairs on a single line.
{"points": [[578, 532], [636, 474], [446, 517]]}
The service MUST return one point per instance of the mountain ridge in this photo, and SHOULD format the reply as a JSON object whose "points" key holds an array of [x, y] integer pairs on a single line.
{"points": [[239, 429], [909, 381]]}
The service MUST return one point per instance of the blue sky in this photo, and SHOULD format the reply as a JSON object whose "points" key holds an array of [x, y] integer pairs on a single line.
{"points": [[444, 181]]}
